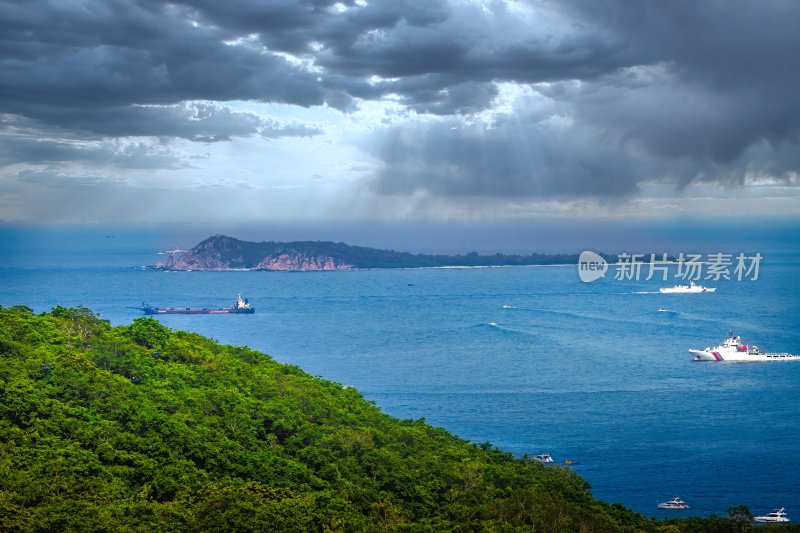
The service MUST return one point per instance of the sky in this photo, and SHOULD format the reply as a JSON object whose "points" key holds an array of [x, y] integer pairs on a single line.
{"points": [[369, 113]]}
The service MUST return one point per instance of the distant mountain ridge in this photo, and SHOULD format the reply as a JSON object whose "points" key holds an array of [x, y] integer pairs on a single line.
{"points": [[221, 252]]}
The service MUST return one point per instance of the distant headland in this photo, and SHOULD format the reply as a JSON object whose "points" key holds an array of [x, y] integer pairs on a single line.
{"points": [[221, 252]]}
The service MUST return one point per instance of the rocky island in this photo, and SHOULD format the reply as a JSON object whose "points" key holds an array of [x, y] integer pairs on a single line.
{"points": [[221, 252]]}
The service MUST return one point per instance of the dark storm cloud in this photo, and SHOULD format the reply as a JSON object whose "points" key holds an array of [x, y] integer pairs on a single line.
{"points": [[24, 149], [434, 94], [72, 57], [194, 122], [720, 42], [583, 140], [120, 52], [297, 25], [425, 52], [678, 91], [84, 137], [672, 118], [735, 67], [86, 64], [523, 158], [685, 92]]}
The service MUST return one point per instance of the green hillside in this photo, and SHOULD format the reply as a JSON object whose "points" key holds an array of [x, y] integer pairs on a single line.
{"points": [[227, 252], [141, 428]]}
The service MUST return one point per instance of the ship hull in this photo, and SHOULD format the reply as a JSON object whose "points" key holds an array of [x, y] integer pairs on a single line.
{"points": [[740, 357], [190, 311], [691, 290]]}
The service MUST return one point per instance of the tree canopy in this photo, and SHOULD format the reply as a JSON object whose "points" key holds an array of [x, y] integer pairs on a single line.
{"points": [[142, 428]]}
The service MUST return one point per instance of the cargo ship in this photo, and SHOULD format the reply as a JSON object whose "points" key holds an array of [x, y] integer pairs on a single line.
{"points": [[241, 306]]}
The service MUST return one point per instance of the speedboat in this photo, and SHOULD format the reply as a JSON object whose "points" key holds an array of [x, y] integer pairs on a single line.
{"points": [[675, 504], [544, 458], [692, 288], [778, 516], [732, 349]]}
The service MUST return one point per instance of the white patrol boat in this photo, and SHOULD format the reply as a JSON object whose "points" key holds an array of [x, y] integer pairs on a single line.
{"points": [[674, 503], [544, 458], [692, 288], [732, 349], [776, 517]]}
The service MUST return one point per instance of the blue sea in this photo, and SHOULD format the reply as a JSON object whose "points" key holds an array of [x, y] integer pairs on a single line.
{"points": [[528, 358]]}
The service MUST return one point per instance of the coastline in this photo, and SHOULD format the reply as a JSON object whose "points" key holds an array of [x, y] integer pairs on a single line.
{"points": [[357, 269]]}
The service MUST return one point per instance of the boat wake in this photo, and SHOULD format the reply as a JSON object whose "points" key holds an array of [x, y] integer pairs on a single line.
{"points": [[507, 329], [645, 292]]}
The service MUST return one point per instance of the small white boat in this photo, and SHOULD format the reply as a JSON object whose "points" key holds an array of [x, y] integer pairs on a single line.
{"points": [[693, 288], [732, 349], [544, 458], [778, 516], [675, 504]]}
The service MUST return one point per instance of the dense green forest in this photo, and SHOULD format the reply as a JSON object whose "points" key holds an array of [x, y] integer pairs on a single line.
{"points": [[142, 428]]}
